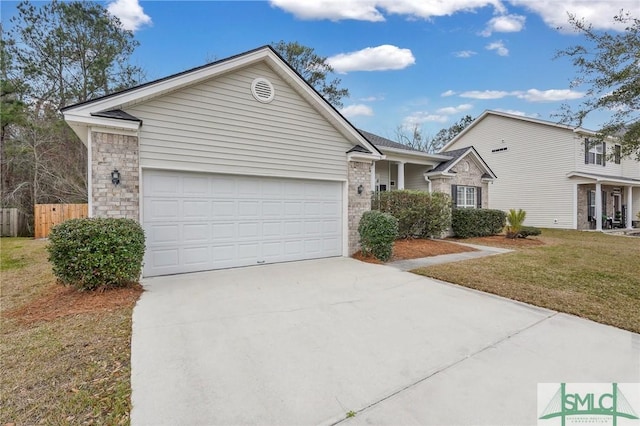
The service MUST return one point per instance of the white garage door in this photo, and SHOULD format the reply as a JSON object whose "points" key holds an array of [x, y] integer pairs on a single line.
{"points": [[197, 222]]}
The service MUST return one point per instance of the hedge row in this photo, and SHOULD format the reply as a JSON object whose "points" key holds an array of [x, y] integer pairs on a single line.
{"points": [[419, 214], [467, 223]]}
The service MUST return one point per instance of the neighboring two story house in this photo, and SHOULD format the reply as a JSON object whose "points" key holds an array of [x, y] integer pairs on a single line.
{"points": [[558, 174]]}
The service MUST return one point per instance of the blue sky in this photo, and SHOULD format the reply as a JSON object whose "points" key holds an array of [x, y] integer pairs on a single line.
{"points": [[405, 62]]}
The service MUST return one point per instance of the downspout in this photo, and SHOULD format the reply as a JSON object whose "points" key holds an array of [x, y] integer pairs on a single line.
{"points": [[428, 182]]}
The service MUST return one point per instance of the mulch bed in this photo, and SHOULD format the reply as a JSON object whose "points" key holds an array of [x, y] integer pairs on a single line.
{"points": [[416, 248], [62, 301]]}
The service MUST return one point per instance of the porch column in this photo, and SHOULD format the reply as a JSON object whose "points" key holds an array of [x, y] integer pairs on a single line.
{"points": [[400, 183], [629, 200], [373, 177], [598, 206]]}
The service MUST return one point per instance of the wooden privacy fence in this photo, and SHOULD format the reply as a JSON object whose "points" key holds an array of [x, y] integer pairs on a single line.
{"points": [[48, 215], [13, 223]]}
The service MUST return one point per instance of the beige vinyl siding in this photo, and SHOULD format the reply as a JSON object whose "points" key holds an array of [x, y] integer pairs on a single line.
{"points": [[531, 173], [630, 168], [414, 177], [217, 126], [610, 167]]}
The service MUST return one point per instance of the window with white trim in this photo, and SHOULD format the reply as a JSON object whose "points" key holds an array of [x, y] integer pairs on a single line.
{"points": [[466, 197], [595, 152]]}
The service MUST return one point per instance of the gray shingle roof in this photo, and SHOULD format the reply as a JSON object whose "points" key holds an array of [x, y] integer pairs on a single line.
{"points": [[380, 141], [454, 154]]}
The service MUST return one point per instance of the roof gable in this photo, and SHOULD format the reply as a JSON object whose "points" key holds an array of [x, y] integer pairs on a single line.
{"points": [[456, 156], [487, 113], [102, 111]]}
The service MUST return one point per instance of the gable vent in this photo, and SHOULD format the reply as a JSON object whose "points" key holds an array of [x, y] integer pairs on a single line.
{"points": [[262, 90]]}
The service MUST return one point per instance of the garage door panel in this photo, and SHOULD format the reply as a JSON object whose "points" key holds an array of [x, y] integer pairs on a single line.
{"points": [[196, 256], [223, 209], [272, 208], [196, 209], [195, 233], [161, 209], [196, 186], [198, 222], [248, 209], [224, 231]]}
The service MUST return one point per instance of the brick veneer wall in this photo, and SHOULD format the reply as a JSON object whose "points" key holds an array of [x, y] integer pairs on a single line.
{"points": [[108, 152], [359, 174]]}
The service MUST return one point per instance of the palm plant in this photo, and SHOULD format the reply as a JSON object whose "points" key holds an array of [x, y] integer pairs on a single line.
{"points": [[515, 219]]}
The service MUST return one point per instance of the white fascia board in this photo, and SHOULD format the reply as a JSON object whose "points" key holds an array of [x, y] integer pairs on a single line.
{"points": [[163, 86], [406, 154], [441, 174], [361, 156], [101, 122], [605, 179]]}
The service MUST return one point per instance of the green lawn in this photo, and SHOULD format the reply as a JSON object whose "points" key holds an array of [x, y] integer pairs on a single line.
{"points": [[589, 274], [65, 357]]}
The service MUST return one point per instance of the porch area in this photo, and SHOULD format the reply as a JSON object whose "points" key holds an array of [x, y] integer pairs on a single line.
{"points": [[607, 205]]}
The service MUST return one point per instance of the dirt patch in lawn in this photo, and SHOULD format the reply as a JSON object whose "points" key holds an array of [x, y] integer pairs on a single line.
{"points": [[501, 241], [417, 248], [63, 301]]}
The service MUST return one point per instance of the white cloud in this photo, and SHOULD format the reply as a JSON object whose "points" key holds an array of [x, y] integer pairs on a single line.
{"points": [[130, 13], [455, 110], [356, 110], [448, 93], [334, 10], [599, 13], [513, 112], [373, 10], [484, 94], [504, 24], [464, 53], [372, 99], [418, 118], [551, 95], [498, 46], [380, 58]]}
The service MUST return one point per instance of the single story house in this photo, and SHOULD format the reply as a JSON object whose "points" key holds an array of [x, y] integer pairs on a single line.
{"points": [[241, 162]]}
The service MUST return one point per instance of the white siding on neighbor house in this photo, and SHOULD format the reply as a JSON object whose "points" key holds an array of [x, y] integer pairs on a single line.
{"points": [[218, 126], [636, 203], [610, 167], [630, 168], [414, 177], [531, 173]]}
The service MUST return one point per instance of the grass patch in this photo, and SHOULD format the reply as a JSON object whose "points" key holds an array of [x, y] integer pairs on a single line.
{"points": [[65, 355], [589, 274]]}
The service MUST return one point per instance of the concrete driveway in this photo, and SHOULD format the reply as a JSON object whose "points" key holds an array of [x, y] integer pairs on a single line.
{"points": [[307, 342]]}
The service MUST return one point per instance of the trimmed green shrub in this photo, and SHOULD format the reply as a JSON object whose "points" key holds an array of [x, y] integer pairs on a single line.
{"points": [[377, 232], [529, 231], [97, 253], [419, 214], [467, 223]]}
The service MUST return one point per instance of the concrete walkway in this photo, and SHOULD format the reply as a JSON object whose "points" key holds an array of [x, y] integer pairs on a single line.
{"points": [[483, 251]]}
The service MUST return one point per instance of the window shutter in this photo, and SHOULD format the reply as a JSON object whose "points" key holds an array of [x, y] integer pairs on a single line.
{"points": [[454, 195], [589, 203], [586, 150], [479, 197], [604, 153]]}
